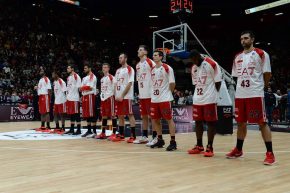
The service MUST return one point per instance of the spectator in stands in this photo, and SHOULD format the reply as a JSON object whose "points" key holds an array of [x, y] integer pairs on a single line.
{"points": [[14, 97], [270, 101], [181, 99], [189, 99]]}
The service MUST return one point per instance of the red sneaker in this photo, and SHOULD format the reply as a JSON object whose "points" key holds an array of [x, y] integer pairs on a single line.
{"points": [[208, 152], [101, 136], [131, 140], [60, 132], [113, 135], [270, 159], [235, 153], [40, 129], [46, 130], [118, 138], [54, 131], [196, 150]]}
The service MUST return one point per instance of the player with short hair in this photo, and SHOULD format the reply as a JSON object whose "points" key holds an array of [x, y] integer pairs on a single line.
{"points": [[253, 71], [44, 93], [163, 84], [107, 102], [88, 89], [143, 76], [59, 108], [206, 77], [73, 100], [124, 91]]}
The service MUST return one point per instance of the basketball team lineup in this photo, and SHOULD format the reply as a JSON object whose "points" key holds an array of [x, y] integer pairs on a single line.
{"points": [[156, 82]]}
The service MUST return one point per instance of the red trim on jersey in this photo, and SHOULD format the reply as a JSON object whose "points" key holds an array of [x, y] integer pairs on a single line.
{"points": [[60, 82], [46, 79], [211, 62], [260, 52], [110, 77], [85, 88], [149, 62], [91, 77], [75, 76], [165, 66], [129, 69]]}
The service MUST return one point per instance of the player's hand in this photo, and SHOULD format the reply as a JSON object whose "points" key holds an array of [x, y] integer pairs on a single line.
{"points": [[35, 87], [119, 99]]}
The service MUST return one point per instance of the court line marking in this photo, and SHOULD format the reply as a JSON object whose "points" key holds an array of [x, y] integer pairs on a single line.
{"points": [[118, 152]]}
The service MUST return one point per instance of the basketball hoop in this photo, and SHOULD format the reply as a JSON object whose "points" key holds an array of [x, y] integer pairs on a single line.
{"points": [[165, 51]]}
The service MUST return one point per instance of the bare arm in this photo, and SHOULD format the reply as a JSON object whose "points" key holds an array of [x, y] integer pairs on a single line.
{"points": [[126, 89], [172, 86], [267, 77]]}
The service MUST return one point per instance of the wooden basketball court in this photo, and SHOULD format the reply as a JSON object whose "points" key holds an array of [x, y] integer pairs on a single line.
{"points": [[91, 166]]}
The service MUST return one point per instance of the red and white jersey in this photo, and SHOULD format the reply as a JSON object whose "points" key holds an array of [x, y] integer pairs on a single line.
{"points": [[249, 68], [90, 80], [204, 78], [143, 76], [43, 86], [73, 85], [59, 88], [107, 86], [161, 77], [123, 77]]}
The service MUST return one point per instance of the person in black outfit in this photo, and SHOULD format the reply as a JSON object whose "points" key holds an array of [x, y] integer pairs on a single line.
{"points": [[270, 102]]}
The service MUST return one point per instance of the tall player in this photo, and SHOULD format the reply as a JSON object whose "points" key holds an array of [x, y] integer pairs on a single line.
{"points": [[124, 95], [143, 74], [59, 108], [44, 92], [107, 102], [88, 88], [73, 100], [206, 77], [253, 70], [163, 84]]}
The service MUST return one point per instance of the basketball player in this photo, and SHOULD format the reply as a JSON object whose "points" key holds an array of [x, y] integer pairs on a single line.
{"points": [[143, 74], [124, 95], [107, 102], [206, 77], [73, 100], [44, 92], [88, 89], [163, 84], [253, 70], [59, 108]]}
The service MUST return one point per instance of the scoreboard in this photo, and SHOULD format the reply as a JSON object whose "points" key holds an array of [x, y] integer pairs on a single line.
{"points": [[181, 6]]}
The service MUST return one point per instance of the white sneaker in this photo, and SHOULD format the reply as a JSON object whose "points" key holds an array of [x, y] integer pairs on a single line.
{"points": [[152, 142], [142, 140], [92, 135]]}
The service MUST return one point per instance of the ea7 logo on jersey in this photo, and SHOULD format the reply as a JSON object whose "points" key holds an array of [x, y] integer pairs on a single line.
{"points": [[248, 71]]}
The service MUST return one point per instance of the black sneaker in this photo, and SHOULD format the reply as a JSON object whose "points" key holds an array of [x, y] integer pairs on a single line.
{"points": [[160, 143], [69, 132], [87, 133], [172, 146], [78, 132]]}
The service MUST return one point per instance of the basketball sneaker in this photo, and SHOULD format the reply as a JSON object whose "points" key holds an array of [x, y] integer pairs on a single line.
{"points": [[152, 142], [46, 130], [159, 144], [141, 140], [101, 136], [208, 152], [235, 153], [270, 159], [196, 150], [118, 138], [55, 131], [40, 129], [78, 132], [113, 135], [131, 139], [172, 146], [87, 134], [69, 132], [93, 135]]}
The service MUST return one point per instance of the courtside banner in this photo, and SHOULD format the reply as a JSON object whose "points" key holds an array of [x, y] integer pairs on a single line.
{"points": [[16, 113]]}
